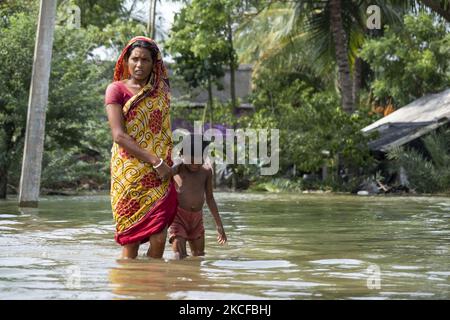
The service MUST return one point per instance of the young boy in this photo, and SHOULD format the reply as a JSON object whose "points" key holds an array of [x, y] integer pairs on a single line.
{"points": [[193, 181]]}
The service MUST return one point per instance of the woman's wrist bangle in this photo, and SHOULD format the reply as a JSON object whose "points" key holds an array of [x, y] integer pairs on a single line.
{"points": [[159, 164]]}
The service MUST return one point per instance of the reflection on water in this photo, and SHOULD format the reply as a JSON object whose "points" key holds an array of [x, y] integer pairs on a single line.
{"points": [[144, 279], [281, 246]]}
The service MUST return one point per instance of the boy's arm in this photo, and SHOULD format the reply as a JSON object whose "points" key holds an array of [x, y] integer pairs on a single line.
{"points": [[175, 169], [221, 237], [173, 172]]}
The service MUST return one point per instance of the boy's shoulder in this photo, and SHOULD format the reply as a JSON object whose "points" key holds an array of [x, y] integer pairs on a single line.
{"points": [[179, 167], [176, 168], [206, 167]]}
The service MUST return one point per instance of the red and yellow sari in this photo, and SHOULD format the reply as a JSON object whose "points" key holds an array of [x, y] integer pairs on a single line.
{"points": [[142, 203]]}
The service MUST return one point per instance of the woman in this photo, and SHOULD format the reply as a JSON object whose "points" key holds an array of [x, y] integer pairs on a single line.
{"points": [[143, 198]]}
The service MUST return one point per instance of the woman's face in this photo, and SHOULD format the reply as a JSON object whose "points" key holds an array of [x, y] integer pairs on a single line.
{"points": [[140, 63]]}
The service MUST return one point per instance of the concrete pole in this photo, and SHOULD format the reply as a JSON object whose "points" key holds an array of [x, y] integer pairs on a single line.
{"points": [[30, 179], [151, 25]]}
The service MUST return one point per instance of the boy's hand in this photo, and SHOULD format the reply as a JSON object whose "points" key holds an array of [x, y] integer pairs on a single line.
{"points": [[221, 236]]}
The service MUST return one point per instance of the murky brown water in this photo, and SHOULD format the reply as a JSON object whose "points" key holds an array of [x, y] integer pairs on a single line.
{"points": [[281, 246]]}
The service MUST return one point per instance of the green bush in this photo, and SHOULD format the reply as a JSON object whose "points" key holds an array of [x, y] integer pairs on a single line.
{"points": [[410, 60], [426, 173]]}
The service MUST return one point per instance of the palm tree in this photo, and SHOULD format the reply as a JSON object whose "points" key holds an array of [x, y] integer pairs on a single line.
{"points": [[441, 7], [334, 31], [341, 49]]}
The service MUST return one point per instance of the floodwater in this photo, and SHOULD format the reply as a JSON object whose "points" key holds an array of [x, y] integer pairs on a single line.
{"points": [[281, 246]]}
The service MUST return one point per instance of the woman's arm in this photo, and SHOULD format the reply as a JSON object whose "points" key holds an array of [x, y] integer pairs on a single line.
{"points": [[124, 140], [221, 236]]}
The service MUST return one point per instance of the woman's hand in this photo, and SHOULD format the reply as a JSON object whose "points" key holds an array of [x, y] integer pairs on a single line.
{"points": [[164, 171]]}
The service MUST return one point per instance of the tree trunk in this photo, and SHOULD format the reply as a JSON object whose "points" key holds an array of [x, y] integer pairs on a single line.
{"points": [[3, 181], [357, 80], [232, 67], [437, 8], [210, 94], [211, 117], [341, 48], [233, 87]]}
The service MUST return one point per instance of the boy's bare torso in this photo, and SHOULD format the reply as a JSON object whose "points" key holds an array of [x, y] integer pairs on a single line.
{"points": [[191, 186]]}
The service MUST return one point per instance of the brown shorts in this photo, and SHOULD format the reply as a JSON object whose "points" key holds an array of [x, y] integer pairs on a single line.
{"points": [[187, 225]]}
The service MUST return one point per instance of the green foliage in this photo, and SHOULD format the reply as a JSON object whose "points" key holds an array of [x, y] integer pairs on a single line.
{"points": [[314, 130], [426, 174], [16, 59], [98, 13], [74, 86], [298, 184], [278, 185], [199, 41], [297, 34], [118, 32], [66, 168], [295, 91], [410, 61], [75, 121]]}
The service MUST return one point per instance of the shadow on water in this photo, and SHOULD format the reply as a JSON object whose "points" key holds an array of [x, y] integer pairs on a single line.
{"points": [[281, 246]]}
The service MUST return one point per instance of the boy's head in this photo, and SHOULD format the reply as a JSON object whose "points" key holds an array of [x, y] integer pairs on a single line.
{"points": [[191, 157]]}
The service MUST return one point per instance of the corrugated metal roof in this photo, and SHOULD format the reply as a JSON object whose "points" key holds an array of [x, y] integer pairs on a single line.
{"points": [[411, 122]]}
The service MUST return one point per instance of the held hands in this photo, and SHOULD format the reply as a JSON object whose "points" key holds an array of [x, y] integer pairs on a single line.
{"points": [[221, 236], [163, 170]]}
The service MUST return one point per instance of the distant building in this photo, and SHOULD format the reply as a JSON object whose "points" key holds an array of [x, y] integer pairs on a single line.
{"points": [[186, 97], [406, 127], [411, 122]]}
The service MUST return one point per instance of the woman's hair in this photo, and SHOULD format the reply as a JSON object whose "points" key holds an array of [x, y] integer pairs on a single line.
{"points": [[144, 45]]}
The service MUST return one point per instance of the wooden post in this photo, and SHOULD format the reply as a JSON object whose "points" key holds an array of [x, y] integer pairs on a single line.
{"points": [[30, 179]]}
